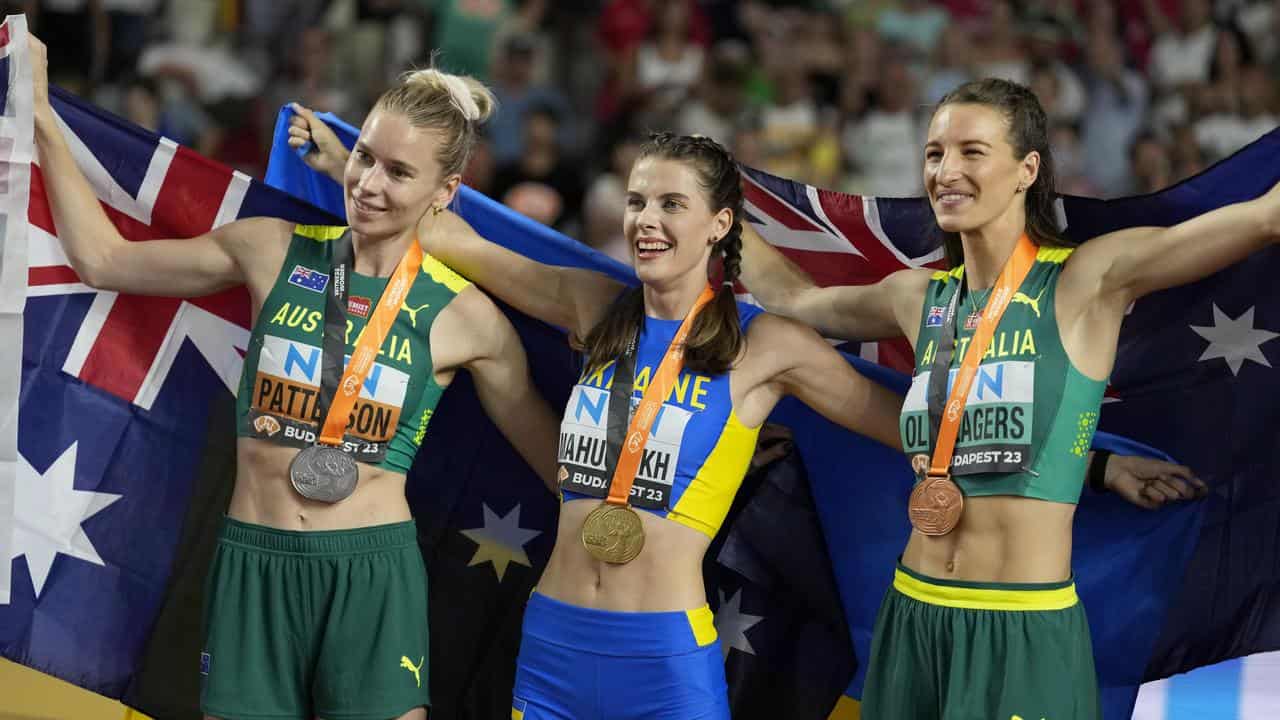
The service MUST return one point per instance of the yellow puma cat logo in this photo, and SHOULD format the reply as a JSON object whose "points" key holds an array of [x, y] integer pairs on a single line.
{"points": [[413, 313], [1020, 297], [407, 664]]}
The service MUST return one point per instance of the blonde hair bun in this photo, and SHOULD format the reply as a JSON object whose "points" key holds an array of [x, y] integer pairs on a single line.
{"points": [[471, 98]]}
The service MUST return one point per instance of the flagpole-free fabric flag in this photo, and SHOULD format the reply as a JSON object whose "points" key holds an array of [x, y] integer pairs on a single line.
{"points": [[114, 390]]}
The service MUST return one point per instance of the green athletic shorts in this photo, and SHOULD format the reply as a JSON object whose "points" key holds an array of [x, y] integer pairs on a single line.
{"points": [[948, 650], [304, 624]]}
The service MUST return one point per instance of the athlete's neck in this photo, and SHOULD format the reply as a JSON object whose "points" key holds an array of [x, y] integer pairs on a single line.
{"points": [[379, 256], [672, 301], [988, 248]]}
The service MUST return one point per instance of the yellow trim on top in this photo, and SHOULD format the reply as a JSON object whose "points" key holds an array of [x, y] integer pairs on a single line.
{"points": [[846, 709], [321, 233], [984, 598], [945, 276], [1055, 255], [703, 624], [706, 501], [443, 274]]}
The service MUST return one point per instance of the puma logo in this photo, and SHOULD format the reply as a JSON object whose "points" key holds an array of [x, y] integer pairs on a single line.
{"points": [[407, 664], [1019, 717], [1020, 297], [413, 313]]}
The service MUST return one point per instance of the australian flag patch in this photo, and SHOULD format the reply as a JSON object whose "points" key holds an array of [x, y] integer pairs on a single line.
{"points": [[305, 277], [934, 318]]}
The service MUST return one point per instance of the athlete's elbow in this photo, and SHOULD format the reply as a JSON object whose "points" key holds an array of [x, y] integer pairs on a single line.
{"points": [[94, 272]]}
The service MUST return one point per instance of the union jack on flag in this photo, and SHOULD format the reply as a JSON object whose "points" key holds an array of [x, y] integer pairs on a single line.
{"points": [[109, 387]]}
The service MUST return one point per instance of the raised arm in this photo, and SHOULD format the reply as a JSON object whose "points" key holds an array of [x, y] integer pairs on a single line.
{"points": [[1120, 267], [1106, 274], [787, 358], [572, 298], [97, 251], [886, 309], [473, 333]]}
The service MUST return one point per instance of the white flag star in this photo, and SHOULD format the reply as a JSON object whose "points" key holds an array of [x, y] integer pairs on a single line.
{"points": [[501, 541], [732, 624], [48, 514], [1234, 340]]}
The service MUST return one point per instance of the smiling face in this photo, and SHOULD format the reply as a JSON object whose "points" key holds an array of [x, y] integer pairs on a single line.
{"points": [[669, 223], [392, 176], [971, 171]]}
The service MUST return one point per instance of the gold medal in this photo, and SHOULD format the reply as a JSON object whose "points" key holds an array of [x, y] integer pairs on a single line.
{"points": [[613, 534]]}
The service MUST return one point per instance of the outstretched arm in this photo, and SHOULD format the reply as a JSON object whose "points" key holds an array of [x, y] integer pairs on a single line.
{"points": [[473, 333], [572, 298], [887, 309], [97, 251], [1104, 276], [787, 358], [1117, 268]]}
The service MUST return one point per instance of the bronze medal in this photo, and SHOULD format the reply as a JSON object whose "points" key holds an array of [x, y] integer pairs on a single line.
{"points": [[935, 506], [613, 534], [936, 501]]}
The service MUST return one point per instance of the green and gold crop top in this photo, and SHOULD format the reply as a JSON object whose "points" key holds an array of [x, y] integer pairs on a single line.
{"points": [[280, 384], [1030, 416]]}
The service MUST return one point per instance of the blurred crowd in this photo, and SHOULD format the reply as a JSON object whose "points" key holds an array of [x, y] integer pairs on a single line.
{"points": [[1140, 93]]}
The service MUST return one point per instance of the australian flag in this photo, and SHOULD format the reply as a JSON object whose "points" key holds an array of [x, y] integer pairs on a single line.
{"points": [[305, 277], [110, 392]]}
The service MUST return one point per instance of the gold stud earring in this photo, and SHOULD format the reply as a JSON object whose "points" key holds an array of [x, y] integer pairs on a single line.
{"points": [[436, 210]]}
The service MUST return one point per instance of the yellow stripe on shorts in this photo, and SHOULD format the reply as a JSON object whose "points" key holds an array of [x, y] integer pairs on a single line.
{"points": [[984, 598], [702, 623]]}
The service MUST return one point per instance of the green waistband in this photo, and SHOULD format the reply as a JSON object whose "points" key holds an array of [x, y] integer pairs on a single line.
{"points": [[354, 541]]}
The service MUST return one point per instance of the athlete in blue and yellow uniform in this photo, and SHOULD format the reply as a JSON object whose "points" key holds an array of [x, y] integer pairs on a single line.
{"points": [[624, 638], [318, 609], [983, 620]]}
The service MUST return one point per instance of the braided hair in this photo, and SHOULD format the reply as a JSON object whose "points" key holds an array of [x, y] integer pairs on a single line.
{"points": [[715, 339]]}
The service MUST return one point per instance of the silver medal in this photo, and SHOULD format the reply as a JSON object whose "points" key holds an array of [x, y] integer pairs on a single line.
{"points": [[324, 473]]}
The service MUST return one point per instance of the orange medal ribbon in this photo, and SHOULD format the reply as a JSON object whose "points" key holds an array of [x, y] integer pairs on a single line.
{"points": [[366, 350], [664, 379], [1011, 277], [936, 503]]}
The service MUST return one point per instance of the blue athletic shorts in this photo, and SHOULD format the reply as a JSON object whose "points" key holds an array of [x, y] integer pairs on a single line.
{"points": [[582, 664]]}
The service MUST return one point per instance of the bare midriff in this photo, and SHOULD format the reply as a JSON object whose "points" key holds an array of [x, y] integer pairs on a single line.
{"points": [[1003, 539], [665, 577], [264, 495]]}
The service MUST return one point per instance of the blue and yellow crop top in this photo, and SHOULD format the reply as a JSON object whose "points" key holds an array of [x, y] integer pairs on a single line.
{"points": [[698, 450]]}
